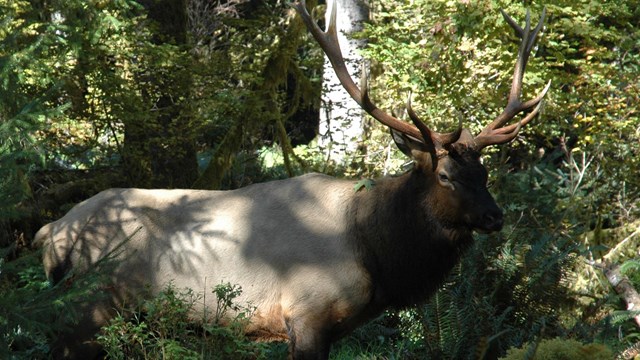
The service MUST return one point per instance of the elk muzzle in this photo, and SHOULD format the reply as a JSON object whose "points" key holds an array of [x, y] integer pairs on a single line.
{"points": [[485, 217], [492, 220]]}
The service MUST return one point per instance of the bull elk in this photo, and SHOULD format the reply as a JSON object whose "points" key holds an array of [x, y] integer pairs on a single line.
{"points": [[315, 258]]}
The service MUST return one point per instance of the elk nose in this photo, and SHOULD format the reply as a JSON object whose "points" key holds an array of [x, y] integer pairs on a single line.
{"points": [[493, 220]]}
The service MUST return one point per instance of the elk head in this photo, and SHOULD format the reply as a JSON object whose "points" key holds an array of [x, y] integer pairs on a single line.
{"points": [[450, 162]]}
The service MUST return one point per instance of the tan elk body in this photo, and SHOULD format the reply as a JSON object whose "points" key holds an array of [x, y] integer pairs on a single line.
{"points": [[196, 239], [313, 256]]}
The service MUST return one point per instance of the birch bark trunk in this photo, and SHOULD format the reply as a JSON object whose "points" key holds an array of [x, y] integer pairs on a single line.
{"points": [[341, 119]]}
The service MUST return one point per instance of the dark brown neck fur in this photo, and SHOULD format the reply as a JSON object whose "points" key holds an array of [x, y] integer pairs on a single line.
{"points": [[407, 251]]}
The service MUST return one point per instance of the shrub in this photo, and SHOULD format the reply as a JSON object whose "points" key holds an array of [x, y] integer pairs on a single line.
{"points": [[164, 327], [552, 349], [32, 310]]}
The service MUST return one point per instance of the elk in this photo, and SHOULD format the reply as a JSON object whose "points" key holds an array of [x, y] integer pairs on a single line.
{"points": [[314, 257]]}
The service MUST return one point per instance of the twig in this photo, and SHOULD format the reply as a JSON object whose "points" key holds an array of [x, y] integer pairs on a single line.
{"points": [[621, 244]]}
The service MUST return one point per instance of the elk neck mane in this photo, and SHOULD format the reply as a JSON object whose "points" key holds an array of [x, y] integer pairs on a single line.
{"points": [[406, 249]]}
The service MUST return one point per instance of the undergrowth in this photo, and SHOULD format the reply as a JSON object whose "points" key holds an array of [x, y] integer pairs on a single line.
{"points": [[165, 327]]}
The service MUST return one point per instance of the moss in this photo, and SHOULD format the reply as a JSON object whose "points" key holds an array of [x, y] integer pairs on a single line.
{"points": [[561, 349]]}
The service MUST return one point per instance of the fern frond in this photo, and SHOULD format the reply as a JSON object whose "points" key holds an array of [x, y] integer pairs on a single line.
{"points": [[618, 317]]}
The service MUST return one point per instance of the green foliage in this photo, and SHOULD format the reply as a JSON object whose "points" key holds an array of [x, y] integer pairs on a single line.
{"points": [[375, 340], [145, 91], [22, 335], [366, 184], [22, 114], [46, 52], [154, 334], [630, 268], [19, 155], [32, 311], [258, 97], [552, 349], [164, 327], [90, 84], [457, 60]]}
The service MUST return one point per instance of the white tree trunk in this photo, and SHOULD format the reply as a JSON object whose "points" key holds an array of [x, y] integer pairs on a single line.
{"points": [[341, 124]]}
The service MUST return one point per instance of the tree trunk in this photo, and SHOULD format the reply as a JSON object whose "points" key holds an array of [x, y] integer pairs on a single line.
{"points": [[161, 148], [341, 124]]}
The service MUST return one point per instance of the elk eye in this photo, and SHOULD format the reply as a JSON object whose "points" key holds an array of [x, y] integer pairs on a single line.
{"points": [[443, 177]]}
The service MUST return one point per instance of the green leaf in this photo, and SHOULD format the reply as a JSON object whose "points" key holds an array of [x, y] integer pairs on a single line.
{"points": [[364, 183]]}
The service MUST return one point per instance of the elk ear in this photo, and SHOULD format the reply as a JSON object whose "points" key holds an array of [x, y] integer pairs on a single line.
{"points": [[413, 148]]}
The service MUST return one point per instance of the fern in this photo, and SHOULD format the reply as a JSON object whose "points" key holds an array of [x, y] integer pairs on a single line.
{"points": [[630, 265], [620, 316]]}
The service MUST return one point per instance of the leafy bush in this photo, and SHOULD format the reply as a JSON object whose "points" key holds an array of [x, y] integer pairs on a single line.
{"points": [[164, 327], [552, 349], [32, 311]]}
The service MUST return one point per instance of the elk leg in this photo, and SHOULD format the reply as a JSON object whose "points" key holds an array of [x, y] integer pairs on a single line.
{"points": [[307, 342], [80, 343]]}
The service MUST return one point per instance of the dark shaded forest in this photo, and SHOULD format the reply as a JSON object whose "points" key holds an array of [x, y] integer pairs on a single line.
{"points": [[222, 94]]}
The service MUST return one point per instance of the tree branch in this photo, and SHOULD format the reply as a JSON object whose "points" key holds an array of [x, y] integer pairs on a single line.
{"points": [[622, 285]]}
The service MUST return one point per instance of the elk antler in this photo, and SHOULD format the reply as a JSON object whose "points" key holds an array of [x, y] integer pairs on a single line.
{"points": [[496, 132], [328, 41]]}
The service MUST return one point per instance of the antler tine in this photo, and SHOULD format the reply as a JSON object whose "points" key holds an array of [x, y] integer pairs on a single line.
{"points": [[534, 102], [440, 139], [507, 133], [520, 32], [496, 132], [450, 138], [366, 104], [424, 129], [427, 134], [328, 41], [528, 40]]}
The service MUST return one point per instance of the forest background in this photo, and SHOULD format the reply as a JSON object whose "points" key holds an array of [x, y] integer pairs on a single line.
{"points": [[221, 94]]}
